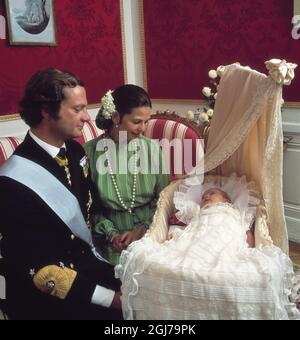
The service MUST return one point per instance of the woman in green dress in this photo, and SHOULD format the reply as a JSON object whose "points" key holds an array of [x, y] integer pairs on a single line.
{"points": [[126, 168]]}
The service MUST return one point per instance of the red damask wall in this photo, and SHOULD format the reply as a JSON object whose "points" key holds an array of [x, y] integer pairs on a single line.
{"points": [[185, 39], [89, 45]]}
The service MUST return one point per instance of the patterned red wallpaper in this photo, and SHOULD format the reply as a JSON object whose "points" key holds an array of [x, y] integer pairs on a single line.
{"points": [[89, 45], [185, 39]]}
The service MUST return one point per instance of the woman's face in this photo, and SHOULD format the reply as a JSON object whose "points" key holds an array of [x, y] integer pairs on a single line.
{"points": [[135, 123]]}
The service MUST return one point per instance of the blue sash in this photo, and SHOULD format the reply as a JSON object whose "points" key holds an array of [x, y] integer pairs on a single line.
{"points": [[53, 193]]}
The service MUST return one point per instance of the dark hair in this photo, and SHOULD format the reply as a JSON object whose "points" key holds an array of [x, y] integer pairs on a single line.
{"points": [[126, 98], [45, 92]]}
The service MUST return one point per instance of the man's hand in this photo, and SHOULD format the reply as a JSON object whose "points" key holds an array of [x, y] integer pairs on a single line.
{"points": [[116, 302]]}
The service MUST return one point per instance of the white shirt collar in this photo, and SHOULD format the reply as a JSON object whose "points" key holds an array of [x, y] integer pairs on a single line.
{"points": [[50, 149]]}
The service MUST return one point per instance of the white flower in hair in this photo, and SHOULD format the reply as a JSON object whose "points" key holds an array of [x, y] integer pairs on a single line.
{"points": [[108, 106]]}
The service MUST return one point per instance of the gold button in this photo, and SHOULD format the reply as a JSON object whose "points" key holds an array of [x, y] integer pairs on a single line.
{"points": [[72, 265], [72, 237]]}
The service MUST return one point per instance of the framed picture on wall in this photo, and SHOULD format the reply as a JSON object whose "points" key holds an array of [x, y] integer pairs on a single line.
{"points": [[31, 22]]}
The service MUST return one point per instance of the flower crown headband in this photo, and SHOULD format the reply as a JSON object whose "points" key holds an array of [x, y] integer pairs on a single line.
{"points": [[108, 106]]}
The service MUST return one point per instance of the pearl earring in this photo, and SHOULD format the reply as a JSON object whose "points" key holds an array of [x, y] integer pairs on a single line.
{"points": [[117, 126]]}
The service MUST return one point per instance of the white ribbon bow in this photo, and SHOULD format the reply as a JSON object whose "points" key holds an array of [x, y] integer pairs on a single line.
{"points": [[281, 71]]}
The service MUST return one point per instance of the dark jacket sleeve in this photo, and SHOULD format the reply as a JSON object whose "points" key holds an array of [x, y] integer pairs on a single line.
{"points": [[35, 238]]}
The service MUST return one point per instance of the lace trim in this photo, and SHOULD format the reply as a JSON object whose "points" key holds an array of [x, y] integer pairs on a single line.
{"points": [[128, 270], [272, 180], [149, 289]]}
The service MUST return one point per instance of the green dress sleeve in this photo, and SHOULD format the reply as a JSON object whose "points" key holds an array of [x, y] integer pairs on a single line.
{"points": [[102, 225]]}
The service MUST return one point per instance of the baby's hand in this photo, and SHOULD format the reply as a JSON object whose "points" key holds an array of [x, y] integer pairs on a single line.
{"points": [[169, 237], [175, 220]]}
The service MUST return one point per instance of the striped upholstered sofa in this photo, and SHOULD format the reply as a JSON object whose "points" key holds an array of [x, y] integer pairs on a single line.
{"points": [[172, 127], [162, 125], [9, 144]]}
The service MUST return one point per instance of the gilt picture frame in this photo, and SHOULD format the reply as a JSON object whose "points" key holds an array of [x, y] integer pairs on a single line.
{"points": [[31, 22]]}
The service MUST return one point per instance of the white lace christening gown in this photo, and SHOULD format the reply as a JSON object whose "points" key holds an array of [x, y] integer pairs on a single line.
{"points": [[208, 273]]}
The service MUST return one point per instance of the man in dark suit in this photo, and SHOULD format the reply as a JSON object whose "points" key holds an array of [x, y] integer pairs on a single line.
{"points": [[51, 268]]}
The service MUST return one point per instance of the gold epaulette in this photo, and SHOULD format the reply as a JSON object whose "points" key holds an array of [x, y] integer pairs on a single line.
{"points": [[54, 280]]}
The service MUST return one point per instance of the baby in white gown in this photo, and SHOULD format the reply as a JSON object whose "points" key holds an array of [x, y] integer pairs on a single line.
{"points": [[210, 196], [209, 271]]}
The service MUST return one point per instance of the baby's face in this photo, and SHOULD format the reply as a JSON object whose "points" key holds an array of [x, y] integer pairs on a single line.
{"points": [[213, 195]]}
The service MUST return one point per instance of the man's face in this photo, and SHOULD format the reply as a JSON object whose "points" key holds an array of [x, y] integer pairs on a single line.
{"points": [[135, 123], [72, 114], [212, 196]]}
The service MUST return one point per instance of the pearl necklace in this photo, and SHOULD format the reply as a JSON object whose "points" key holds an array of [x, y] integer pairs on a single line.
{"points": [[131, 207]]}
